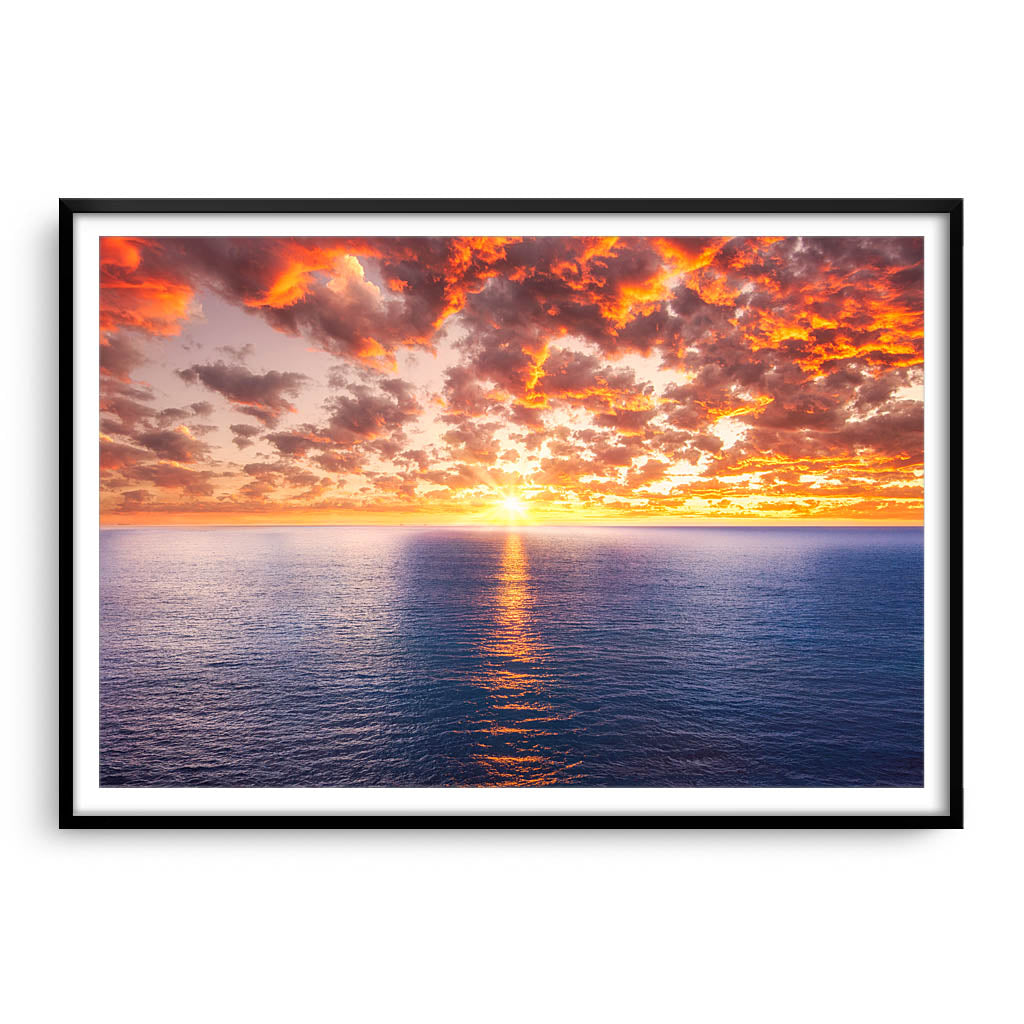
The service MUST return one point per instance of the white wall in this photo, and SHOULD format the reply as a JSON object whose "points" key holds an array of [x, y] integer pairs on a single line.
{"points": [[201, 99]]}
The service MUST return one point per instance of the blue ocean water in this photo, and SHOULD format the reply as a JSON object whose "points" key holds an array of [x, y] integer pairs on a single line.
{"points": [[357, 656]]}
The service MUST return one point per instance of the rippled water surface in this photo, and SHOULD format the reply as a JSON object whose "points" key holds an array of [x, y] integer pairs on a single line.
{"points": [[341, 656]]}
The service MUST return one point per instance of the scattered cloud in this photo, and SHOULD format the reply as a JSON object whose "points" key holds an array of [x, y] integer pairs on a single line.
{"points": [[266, 396]]}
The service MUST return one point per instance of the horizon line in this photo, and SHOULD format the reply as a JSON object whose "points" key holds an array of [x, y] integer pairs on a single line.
{"points": [[877, 525]]}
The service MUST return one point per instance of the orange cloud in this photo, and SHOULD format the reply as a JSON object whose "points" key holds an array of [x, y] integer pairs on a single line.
{"points": [[132, 298]]}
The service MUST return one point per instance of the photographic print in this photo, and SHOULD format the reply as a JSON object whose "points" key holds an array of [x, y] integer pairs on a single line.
{"points": [[455, 512]]}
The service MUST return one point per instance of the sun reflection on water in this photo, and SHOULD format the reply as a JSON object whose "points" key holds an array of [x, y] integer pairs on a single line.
{"points": [[521, 734], [513, 638]]}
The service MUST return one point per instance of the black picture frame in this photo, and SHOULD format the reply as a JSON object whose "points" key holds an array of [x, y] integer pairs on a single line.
{"points": [[950, 208]]}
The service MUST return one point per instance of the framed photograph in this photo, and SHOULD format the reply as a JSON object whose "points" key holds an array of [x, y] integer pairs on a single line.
{"points": [[489, 513]]}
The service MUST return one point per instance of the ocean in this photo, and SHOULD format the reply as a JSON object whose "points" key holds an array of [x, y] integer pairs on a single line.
{"points": [[535, 656]]}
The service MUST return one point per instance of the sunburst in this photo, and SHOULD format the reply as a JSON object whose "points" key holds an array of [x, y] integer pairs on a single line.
{"points": [[514, 508]]}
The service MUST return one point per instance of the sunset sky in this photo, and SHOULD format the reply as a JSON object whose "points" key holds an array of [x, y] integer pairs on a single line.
{"points": [[494, 380]]}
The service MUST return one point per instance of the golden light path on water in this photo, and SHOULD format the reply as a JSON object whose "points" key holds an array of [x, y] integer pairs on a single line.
{"points": [[515, 685]]}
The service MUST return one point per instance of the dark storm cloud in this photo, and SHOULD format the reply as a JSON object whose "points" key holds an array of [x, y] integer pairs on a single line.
{"points": [[173, 445], [367, 413], [119, 356], [266, 396], [244, 434]]}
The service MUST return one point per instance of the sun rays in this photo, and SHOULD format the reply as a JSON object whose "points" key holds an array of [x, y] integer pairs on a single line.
{"points": [[509, 509]]}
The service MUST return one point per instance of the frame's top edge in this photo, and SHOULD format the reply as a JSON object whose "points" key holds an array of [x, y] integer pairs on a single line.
{"points": [[509, 205]]}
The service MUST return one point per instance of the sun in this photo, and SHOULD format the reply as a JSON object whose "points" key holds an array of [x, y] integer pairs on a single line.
{"points": [[515, 509]]}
